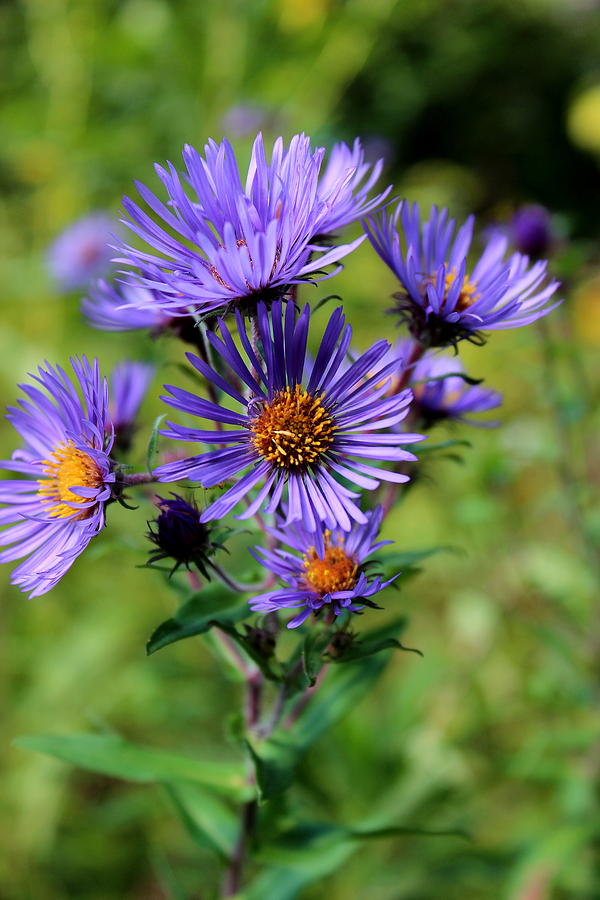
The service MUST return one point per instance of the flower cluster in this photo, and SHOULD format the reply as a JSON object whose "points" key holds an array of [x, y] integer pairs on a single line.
{"points": [[301, 430], [311, 443]]}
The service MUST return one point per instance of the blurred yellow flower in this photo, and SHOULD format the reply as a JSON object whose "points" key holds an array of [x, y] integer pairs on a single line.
{"points": [[583, 119], [585, 311], [298, 14]]}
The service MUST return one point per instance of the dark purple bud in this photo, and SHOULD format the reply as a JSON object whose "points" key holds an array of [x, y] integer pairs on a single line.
{"points": [[262, 640], [180, 536], [532, 231]]}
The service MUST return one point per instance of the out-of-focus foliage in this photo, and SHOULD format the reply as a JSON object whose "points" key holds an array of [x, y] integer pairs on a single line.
{"points": [[481, 105]]}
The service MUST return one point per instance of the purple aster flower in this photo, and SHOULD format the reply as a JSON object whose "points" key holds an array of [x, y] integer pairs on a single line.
{"points": [[440, 300], [124, 307], [324, 576], [302, 428], [129, 384], [221, 242], [82, 251], [58, 508], [341, 188], [448, 396], [128, 307], [531, 229]]}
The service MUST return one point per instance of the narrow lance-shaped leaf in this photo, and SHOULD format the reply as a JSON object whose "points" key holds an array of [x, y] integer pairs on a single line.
{"points": [[153, 443], [444, 445], [113, 755], [374, 641], [404, 561], [311, 851]]}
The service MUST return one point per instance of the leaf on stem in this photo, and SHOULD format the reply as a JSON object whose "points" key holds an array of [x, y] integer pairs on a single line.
{"points": [[444, 445], [214, 605], [274, 766], [153, 443], [374, 641], [314, 646], [311, 851], [276, 757], [404, 561], [207, 820], [114, 756], [269, 666]]}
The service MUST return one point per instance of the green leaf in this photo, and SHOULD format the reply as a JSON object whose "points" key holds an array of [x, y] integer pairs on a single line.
{"points": [[153, 443], [297, 860], [339, 692], [444, 445], [276, 757], [407, 831], [167, 877], [113, 755], [268, 665], [309, 852], [404, 561], [205, 817], [274, 769], [315, 644], [213, 605], [383, 638]]}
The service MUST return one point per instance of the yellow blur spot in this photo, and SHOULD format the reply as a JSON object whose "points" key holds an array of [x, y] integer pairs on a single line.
{"points": [[583, 119], [585, 311], [297, 14]]}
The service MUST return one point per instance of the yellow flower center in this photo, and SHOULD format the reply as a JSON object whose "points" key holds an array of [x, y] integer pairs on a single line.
{"points": [[294, 430], [468, 292], [335, 572], [67, 468]]}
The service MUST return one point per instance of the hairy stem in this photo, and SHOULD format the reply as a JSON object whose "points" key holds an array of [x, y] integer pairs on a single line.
{"points": [[136, 478], [416, 353], [233, 877], [231, 582], [237, 863]]}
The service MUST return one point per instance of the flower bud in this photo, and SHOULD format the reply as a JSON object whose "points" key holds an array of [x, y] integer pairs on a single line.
{"points": [[532, 231], [179, 535]]}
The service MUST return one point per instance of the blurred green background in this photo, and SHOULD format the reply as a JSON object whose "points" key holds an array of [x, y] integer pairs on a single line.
{"points": [[479, 104]]}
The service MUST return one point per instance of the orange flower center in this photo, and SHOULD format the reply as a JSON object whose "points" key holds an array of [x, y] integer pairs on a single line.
{"points": [[336, 571], [67, 468], [468, 292], [294, 430]]}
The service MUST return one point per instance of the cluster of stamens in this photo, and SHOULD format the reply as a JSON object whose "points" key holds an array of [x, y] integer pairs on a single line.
{"points": [[294, 430], [468, 292], [68, 467], [335, 571]]}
